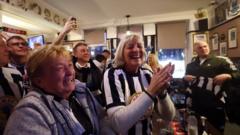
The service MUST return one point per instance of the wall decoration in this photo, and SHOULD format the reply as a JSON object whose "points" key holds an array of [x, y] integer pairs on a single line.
{"points": [[19, 3], [215, 41], [200, 37], [220, 12], [233, 7], [35, 8], [64, 20], [56, 19], [223, 49], [47, 15], [222, 37], [232, 38]]}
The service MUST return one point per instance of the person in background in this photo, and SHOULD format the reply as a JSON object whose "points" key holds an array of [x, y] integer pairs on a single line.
{"points": [[57, 104], [158, 123], [19, 52], [87, 71], [207, 77], [11, 89], [106, 54], [152, 61], [37, 45], [100, 61], [131, 92]]}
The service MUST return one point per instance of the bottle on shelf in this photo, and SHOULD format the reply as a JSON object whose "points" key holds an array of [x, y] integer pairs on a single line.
{"points": [[192, 124]]}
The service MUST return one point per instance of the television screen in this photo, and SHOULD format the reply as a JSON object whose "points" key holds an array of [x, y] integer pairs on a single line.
{"points": [[35, 41]]}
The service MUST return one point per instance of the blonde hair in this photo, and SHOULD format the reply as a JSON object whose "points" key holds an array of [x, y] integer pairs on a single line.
{"points": [[40, 56], [154, 61], [119, 59]]}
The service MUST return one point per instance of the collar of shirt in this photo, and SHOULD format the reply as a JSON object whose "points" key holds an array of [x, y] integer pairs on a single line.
{"points": [[79, 66], [202, 60]]}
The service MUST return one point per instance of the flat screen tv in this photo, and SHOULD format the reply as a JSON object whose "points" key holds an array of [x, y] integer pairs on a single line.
{"points": [[35, 39]]}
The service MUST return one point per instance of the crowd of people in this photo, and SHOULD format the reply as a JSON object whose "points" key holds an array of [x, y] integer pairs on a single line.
{"points": [[50, 91]]}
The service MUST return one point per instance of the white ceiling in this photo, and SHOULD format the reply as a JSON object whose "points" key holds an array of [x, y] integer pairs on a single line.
{"points": [[95, 11]]}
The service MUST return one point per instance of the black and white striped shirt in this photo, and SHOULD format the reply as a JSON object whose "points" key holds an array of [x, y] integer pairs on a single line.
{"points": [[204, 87], [206, 83], [120, 85], [11, 83]]}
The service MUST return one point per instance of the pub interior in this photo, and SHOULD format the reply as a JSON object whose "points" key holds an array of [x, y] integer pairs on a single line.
{"points": [[198, 38]]}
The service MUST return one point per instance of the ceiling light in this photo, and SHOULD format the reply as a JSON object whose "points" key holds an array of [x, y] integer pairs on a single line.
{"points": [[18, 23], [128, 29]]}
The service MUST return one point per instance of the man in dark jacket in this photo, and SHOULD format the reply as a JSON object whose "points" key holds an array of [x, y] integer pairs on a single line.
{"points": [[87, 71], [207, 77]]}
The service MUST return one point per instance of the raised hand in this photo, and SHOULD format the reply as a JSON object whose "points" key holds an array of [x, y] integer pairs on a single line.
{"points": [[70, 25], [160, 80]]}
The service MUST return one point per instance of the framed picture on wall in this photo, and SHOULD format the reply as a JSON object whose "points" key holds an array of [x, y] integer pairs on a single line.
{"points": [[199, 37], [215, 43], [233, 7], [232, 38], [220, 12], [223, 49]]}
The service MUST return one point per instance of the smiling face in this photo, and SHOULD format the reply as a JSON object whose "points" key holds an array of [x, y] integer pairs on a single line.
{"points": [[57, 76], [4, 54], [133, 54], [18, 47], [82, 53]]}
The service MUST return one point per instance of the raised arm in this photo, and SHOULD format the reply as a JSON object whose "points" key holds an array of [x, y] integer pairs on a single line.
{"points": [[69, 26]]}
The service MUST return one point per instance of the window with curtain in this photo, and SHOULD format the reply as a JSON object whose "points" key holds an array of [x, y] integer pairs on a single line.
{"points": [[171, 37], [95, 36]]}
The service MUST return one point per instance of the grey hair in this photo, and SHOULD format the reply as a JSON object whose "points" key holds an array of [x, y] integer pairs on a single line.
{"points": [[119, 59]]}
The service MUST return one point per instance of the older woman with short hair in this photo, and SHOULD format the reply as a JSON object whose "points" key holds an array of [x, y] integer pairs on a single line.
{"points": [[131, 90], [55, 105]]}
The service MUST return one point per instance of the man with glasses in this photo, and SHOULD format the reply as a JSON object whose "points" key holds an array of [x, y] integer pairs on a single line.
{"points": [[19, 51], [11, 89]]}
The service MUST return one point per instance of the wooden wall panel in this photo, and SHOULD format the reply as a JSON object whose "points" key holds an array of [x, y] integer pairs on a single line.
{"points": [[223, 29]]}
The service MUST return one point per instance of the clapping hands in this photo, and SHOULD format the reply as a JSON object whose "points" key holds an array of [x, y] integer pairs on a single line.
{"points": [[160, 79]]}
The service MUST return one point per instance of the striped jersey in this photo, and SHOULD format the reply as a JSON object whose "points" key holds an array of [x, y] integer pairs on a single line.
{"points": [[11, 83], [120, 85], [206, 83]]}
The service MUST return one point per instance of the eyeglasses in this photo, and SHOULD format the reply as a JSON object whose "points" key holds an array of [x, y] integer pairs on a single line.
{"points": [[25, 44]]}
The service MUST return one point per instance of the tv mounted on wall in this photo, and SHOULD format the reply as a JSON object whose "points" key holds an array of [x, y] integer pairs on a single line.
{"points": [[35, 39]]}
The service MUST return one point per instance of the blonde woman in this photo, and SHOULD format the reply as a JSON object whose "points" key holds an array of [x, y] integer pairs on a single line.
{"points": [[153, 62], [131, 90]]}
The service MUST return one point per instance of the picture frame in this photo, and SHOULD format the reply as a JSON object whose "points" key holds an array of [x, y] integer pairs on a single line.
{"points": [[199, 37], [215, 41], [233, 7], [232, 37], [223, 49], [221, 12]]}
